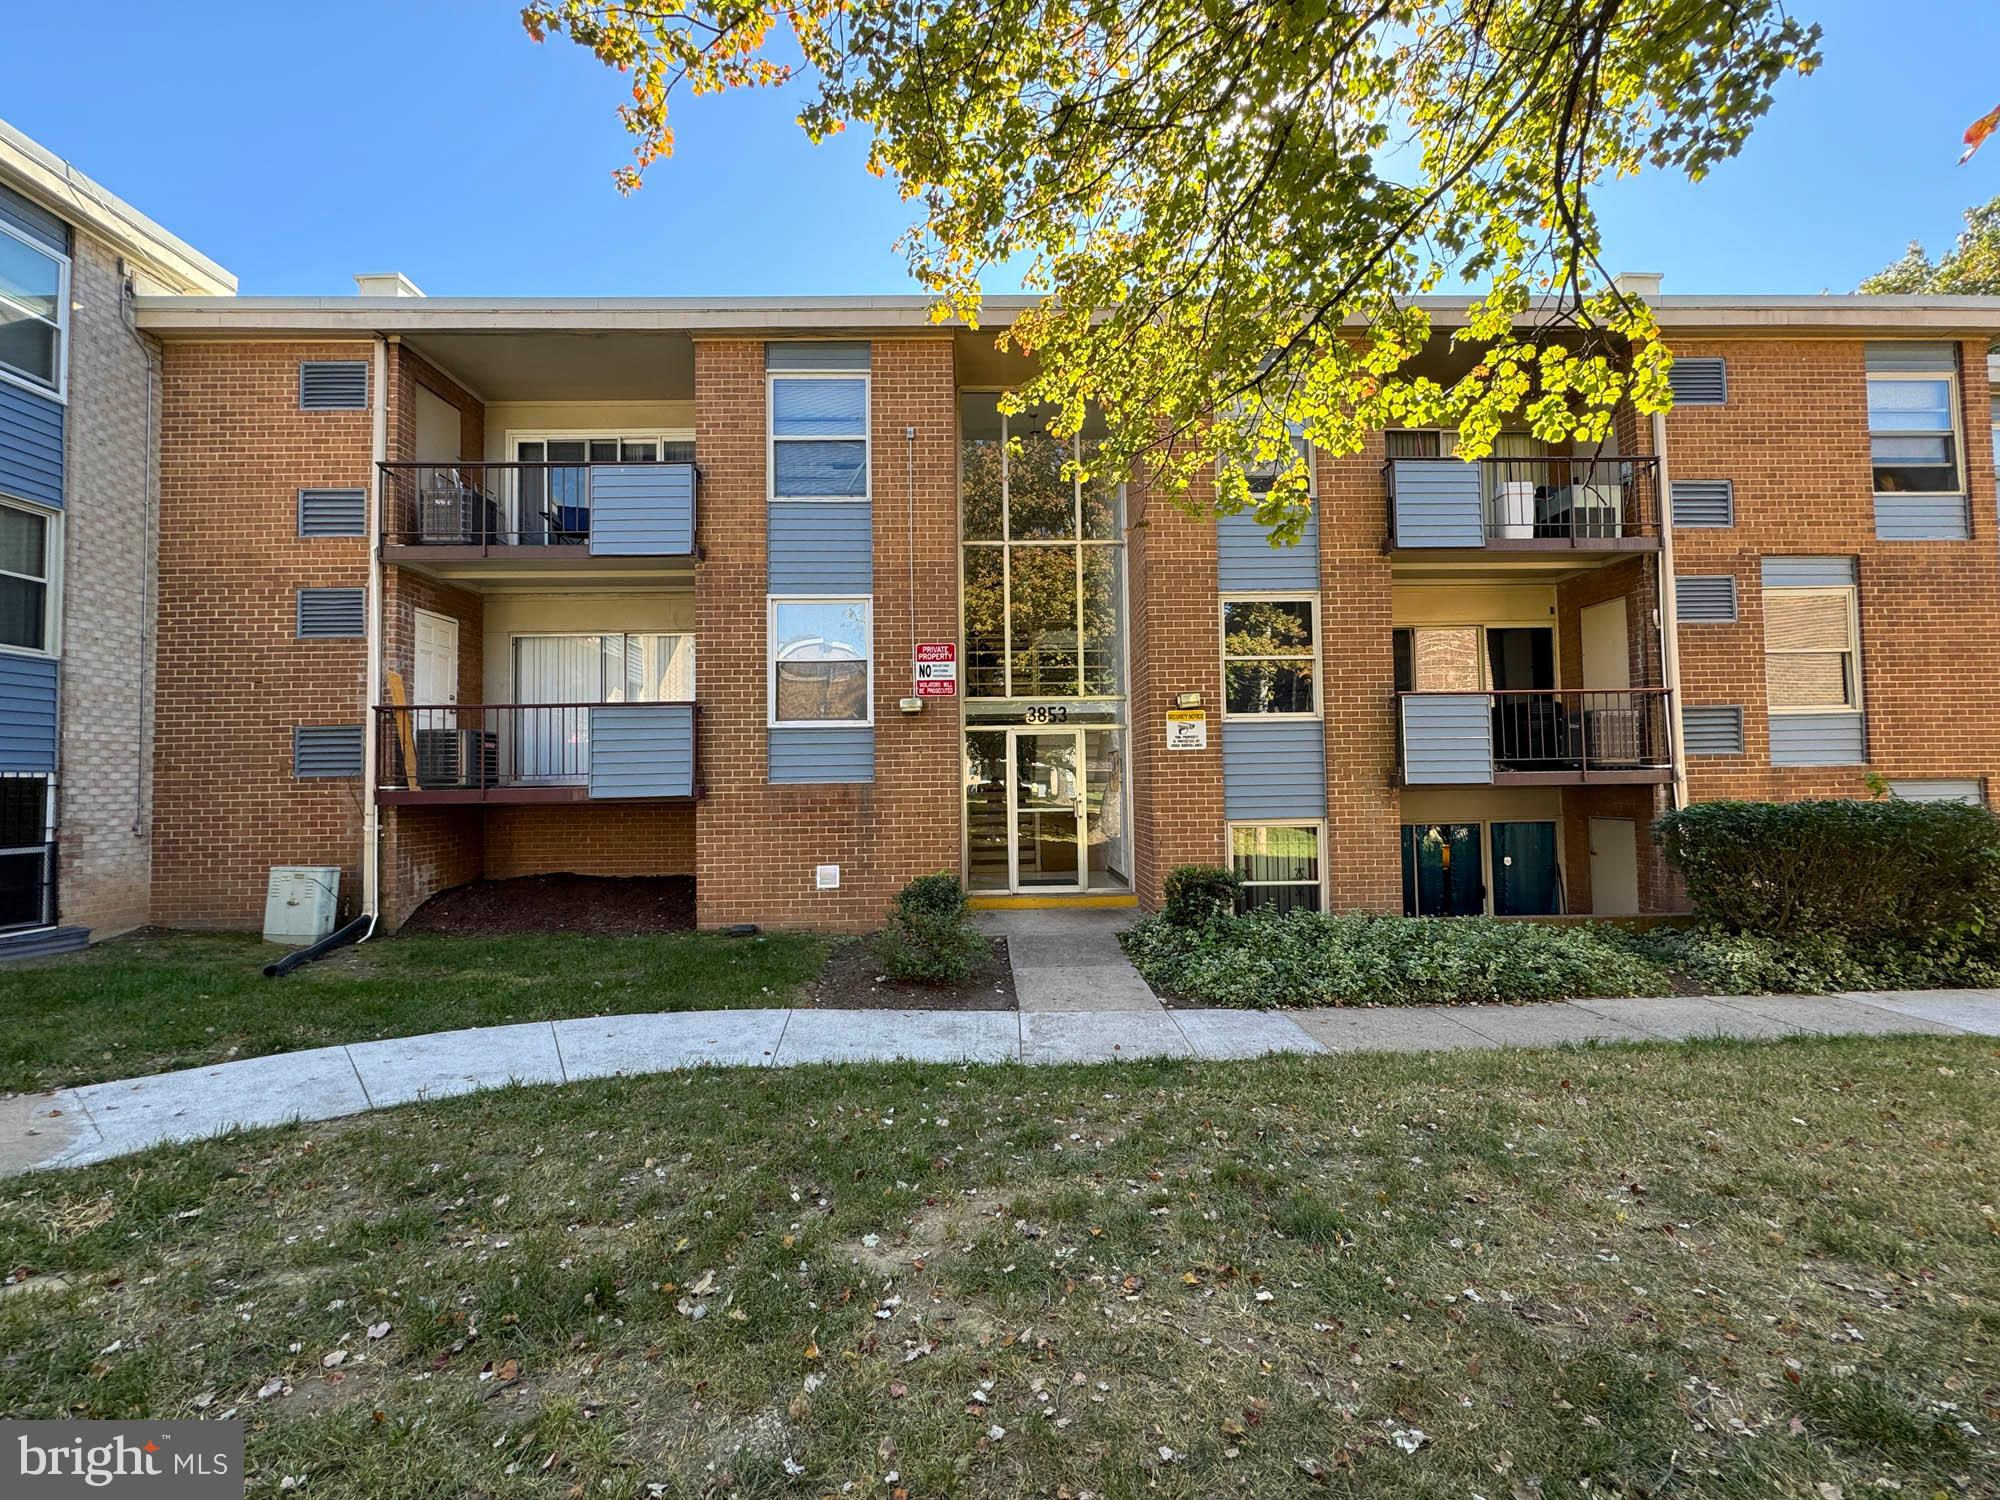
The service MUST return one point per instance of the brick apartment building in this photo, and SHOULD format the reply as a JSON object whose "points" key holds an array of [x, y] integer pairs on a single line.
{"points": [[79, 445], [454, 588], [769, 593]]}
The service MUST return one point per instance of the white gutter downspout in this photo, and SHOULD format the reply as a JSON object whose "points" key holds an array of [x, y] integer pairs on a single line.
{"points": [[371, 818], [1670, 638]]}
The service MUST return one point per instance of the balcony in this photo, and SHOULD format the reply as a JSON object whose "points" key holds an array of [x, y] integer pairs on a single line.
{"points": [[1606, 506], [538, 516], [1539, 737], [536, 752]]}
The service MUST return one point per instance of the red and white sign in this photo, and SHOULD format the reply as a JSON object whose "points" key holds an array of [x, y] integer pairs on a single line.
{"points": [[937, 669]]}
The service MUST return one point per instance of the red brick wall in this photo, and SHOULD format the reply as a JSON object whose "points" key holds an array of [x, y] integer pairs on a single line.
{"points": [[757, 843], [426, 850], [1794, 439], [1177, 810], [407, 371], [233, 678], [1364, 815], [584, 838]]}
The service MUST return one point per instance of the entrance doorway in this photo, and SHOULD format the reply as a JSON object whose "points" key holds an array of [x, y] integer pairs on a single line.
{"points": [[1044, 810]]}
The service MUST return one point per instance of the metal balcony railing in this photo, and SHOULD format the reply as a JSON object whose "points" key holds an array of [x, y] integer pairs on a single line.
{"points": [[627, 509], [1522, 502], [1555, 734], [536, 751]]}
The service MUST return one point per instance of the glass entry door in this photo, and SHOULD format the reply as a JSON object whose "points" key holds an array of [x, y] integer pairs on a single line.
{"points": [[1044, 810], [1048, 808]]}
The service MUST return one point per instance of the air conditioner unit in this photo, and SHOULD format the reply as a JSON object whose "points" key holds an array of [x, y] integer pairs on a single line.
{"points": [[457, 758], [300, 903], [1613, 736], [1596, 510], [441, 512]]}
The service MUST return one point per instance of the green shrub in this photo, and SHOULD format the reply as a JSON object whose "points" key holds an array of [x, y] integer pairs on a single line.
{"points": [[1267, 959], [1920, 876], [1744, 963], [930, 937], [1197, 895]]}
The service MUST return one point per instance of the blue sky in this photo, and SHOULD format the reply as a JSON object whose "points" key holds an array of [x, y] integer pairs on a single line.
{"points": [[300, 144]]}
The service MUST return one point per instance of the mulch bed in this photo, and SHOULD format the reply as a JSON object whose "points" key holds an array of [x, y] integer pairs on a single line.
{"points": [[854, 979], [594, 905]]}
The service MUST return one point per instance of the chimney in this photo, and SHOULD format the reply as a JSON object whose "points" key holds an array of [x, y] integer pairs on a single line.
{"points": [[1645, 285], [386, 284]]}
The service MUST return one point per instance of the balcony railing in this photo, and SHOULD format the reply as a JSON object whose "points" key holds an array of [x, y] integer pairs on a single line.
{"points": [[1534, 503], [536, 752], [603, 509], [1549, 737]]}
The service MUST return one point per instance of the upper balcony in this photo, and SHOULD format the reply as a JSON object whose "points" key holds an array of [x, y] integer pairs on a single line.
{"points": [[1536, 737], [465, 520], [1594, 509]]}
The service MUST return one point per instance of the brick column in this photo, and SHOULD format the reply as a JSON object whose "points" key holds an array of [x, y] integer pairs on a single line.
{"points": [[757, 844], [1358, 685]]}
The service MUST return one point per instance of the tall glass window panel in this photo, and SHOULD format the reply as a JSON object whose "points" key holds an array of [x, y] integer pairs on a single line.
{"points": [[985, 622], [1041, 483], [1279, 866], [1103, 623], [1107, 846], [1042, 621], [820, 650], [659, 668], [979, 475], [1268, 651], [24, 589], [1102, 521], [1912, 435], [819, 431], [987, 866], [30, 311]]}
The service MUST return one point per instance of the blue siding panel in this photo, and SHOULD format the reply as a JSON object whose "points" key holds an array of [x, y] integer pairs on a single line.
{"points": [[821, 547], [1921, 518], [1246, 560], [816, 354], [642, 750], [1447, 739], [1818, 740], [1438, 503], [1273, 771], [1808, 572], [1907, 357], [642, 510], [804, 756], [31, 445], [27, 713]]}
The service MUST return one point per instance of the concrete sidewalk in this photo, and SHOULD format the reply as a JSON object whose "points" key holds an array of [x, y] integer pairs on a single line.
{"points": [[98, 1121], [1071, 960]]}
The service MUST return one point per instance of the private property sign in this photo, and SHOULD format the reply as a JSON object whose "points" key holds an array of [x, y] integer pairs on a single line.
{"points": [[937, 669]]}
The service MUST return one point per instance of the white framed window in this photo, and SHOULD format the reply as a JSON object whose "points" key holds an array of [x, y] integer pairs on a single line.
{"points": [[1812, 657], [1420, 442], [818, 435], [1263, 477], [1270, 656], [1913, 440], [34, 313], [822, 656], [587, 445], [30, 569], [1280, 865]]}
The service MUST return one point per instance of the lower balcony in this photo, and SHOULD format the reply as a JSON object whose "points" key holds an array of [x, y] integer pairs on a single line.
{"points": [[536, 752], [1536, 737]]}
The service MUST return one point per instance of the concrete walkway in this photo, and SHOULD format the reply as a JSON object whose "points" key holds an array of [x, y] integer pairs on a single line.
{"points": [[1071, 960], [98, 1121]]}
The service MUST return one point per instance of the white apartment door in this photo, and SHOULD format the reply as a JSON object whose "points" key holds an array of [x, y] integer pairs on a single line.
{"points": [[1614, 867], [435, 691], [1607, 651]]}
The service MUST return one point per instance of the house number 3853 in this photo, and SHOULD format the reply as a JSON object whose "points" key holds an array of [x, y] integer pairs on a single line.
{"points": [[1048, 714]]}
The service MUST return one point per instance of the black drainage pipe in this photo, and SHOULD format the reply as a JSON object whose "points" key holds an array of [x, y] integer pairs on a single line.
{"points": [[351, 933]]}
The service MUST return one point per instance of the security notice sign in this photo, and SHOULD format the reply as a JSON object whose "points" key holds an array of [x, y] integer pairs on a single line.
{"points": [[937, 669], [1187, 729]]}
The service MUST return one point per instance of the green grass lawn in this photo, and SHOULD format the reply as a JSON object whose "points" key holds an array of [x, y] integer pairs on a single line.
{"points": [[1722, 1269], [156, 1001]]}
